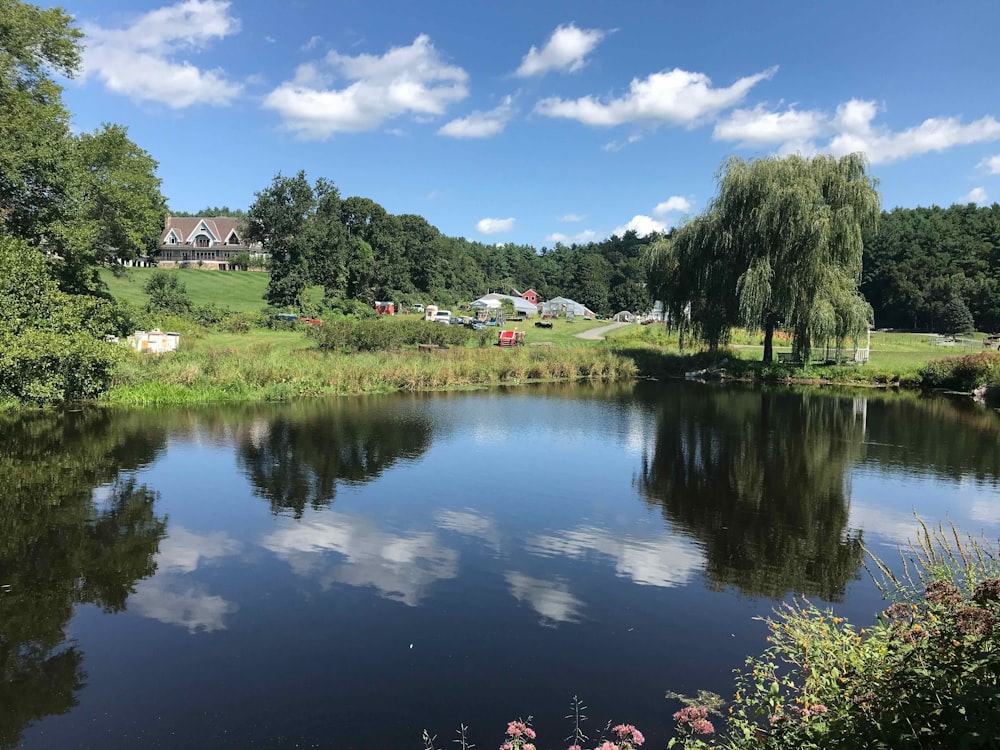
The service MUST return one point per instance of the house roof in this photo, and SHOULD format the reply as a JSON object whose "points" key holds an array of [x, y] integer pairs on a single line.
{"points": [[219, 226]]}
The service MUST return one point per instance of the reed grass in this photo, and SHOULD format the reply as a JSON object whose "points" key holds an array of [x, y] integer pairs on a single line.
{"points": [[261, 373]]}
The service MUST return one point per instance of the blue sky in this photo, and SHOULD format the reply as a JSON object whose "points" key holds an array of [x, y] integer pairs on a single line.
{"points": [[538, 122]]}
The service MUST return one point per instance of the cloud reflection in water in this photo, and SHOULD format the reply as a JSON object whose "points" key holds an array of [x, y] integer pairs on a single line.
{"points": [[171, 599], [400, 566], [662, 561]]}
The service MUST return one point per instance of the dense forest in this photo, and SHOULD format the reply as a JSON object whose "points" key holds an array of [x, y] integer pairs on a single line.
{"points": [[921, 260]]}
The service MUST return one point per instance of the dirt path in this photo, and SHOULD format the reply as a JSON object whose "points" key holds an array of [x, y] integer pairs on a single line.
{"points": [[597, 334]]}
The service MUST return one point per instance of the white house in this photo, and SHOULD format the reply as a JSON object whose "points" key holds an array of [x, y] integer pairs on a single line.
{"points": [[204, 242]]}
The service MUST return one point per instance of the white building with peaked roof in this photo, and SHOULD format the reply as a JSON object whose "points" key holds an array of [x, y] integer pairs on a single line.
{"points": [[203, 241]]}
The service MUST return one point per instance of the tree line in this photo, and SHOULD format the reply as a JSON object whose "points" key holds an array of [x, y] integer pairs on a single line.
{"points": [[355, 249], [924, 266]]}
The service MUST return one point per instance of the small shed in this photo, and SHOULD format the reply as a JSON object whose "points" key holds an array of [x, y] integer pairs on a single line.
{"points": [[155, 341]]}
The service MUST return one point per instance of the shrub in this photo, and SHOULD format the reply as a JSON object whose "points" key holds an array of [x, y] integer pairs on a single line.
{"points": [[167, 293], [44, 367], [961, 373], [926, 675]]}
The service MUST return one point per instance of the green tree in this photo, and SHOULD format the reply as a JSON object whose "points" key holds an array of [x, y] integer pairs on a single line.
{"points": [[326, 241], [782, 244], [365, 219], [35, 157], [167, 293], [118, 209], [632, 296], [956, 317], [278, 220]]}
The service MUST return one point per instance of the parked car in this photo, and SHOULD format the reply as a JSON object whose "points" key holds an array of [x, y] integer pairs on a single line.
{"points": [[418, 308], [443, 316], [312, 321], [477, 325]]}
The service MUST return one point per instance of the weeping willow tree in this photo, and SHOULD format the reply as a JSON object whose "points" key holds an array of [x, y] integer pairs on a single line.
{"points": [[780, 245]]}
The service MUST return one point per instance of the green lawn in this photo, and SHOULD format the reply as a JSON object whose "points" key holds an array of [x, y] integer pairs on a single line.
{"points": [[242, 291]]}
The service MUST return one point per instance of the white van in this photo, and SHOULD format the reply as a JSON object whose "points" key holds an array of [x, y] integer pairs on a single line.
{"points": [[443, 316]]}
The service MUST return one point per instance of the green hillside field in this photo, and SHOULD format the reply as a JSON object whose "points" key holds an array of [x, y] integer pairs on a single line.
{"points": [[241, 291]]}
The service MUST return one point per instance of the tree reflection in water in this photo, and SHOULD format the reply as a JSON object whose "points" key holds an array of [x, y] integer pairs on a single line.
{"points": [[761, 479], [62, 543], [296, 458]]}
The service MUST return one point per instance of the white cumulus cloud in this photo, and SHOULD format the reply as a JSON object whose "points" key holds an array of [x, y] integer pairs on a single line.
{"points": [[857, 133], [481, 124], [412, 80], [977, 195], [758, 126], [494, 226], [991, 164], [675, 203], [566, 50], [641, 225], [850, 129], [144, 60], [568, 239], [678, 97]]}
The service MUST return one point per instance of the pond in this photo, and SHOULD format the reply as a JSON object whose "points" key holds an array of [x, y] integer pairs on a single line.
{"points": [[348, 573]]}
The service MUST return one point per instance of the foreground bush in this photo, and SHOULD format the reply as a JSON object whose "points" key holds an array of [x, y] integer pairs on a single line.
{"points": [[962, 373], [52, 346], [927, 675]]}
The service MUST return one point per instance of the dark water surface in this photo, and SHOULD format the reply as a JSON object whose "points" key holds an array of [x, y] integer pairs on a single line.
{"points": [[346, 573]]}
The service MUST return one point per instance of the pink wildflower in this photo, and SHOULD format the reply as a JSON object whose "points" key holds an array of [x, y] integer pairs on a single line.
{"points": [[702, 726], [690, 714], [607, 746], [506, 746], [515, 729], [528, 746], [629, 732], [529, 733], [574, 747], [819, 708]]}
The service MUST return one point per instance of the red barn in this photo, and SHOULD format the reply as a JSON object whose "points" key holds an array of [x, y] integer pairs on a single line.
{"points": [[531, 296]]}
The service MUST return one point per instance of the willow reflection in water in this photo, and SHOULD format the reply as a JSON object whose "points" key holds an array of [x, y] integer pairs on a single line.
{"points": [[761, 479], [62, 544]]}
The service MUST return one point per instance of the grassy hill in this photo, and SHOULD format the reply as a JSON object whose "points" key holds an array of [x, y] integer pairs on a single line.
{"points": [[242, 291]]}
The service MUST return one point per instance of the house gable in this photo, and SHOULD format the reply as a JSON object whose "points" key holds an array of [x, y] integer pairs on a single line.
{"points": [[202, 228]]}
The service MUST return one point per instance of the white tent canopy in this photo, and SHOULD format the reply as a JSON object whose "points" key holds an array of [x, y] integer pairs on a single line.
{"points": [[494, 301]]}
